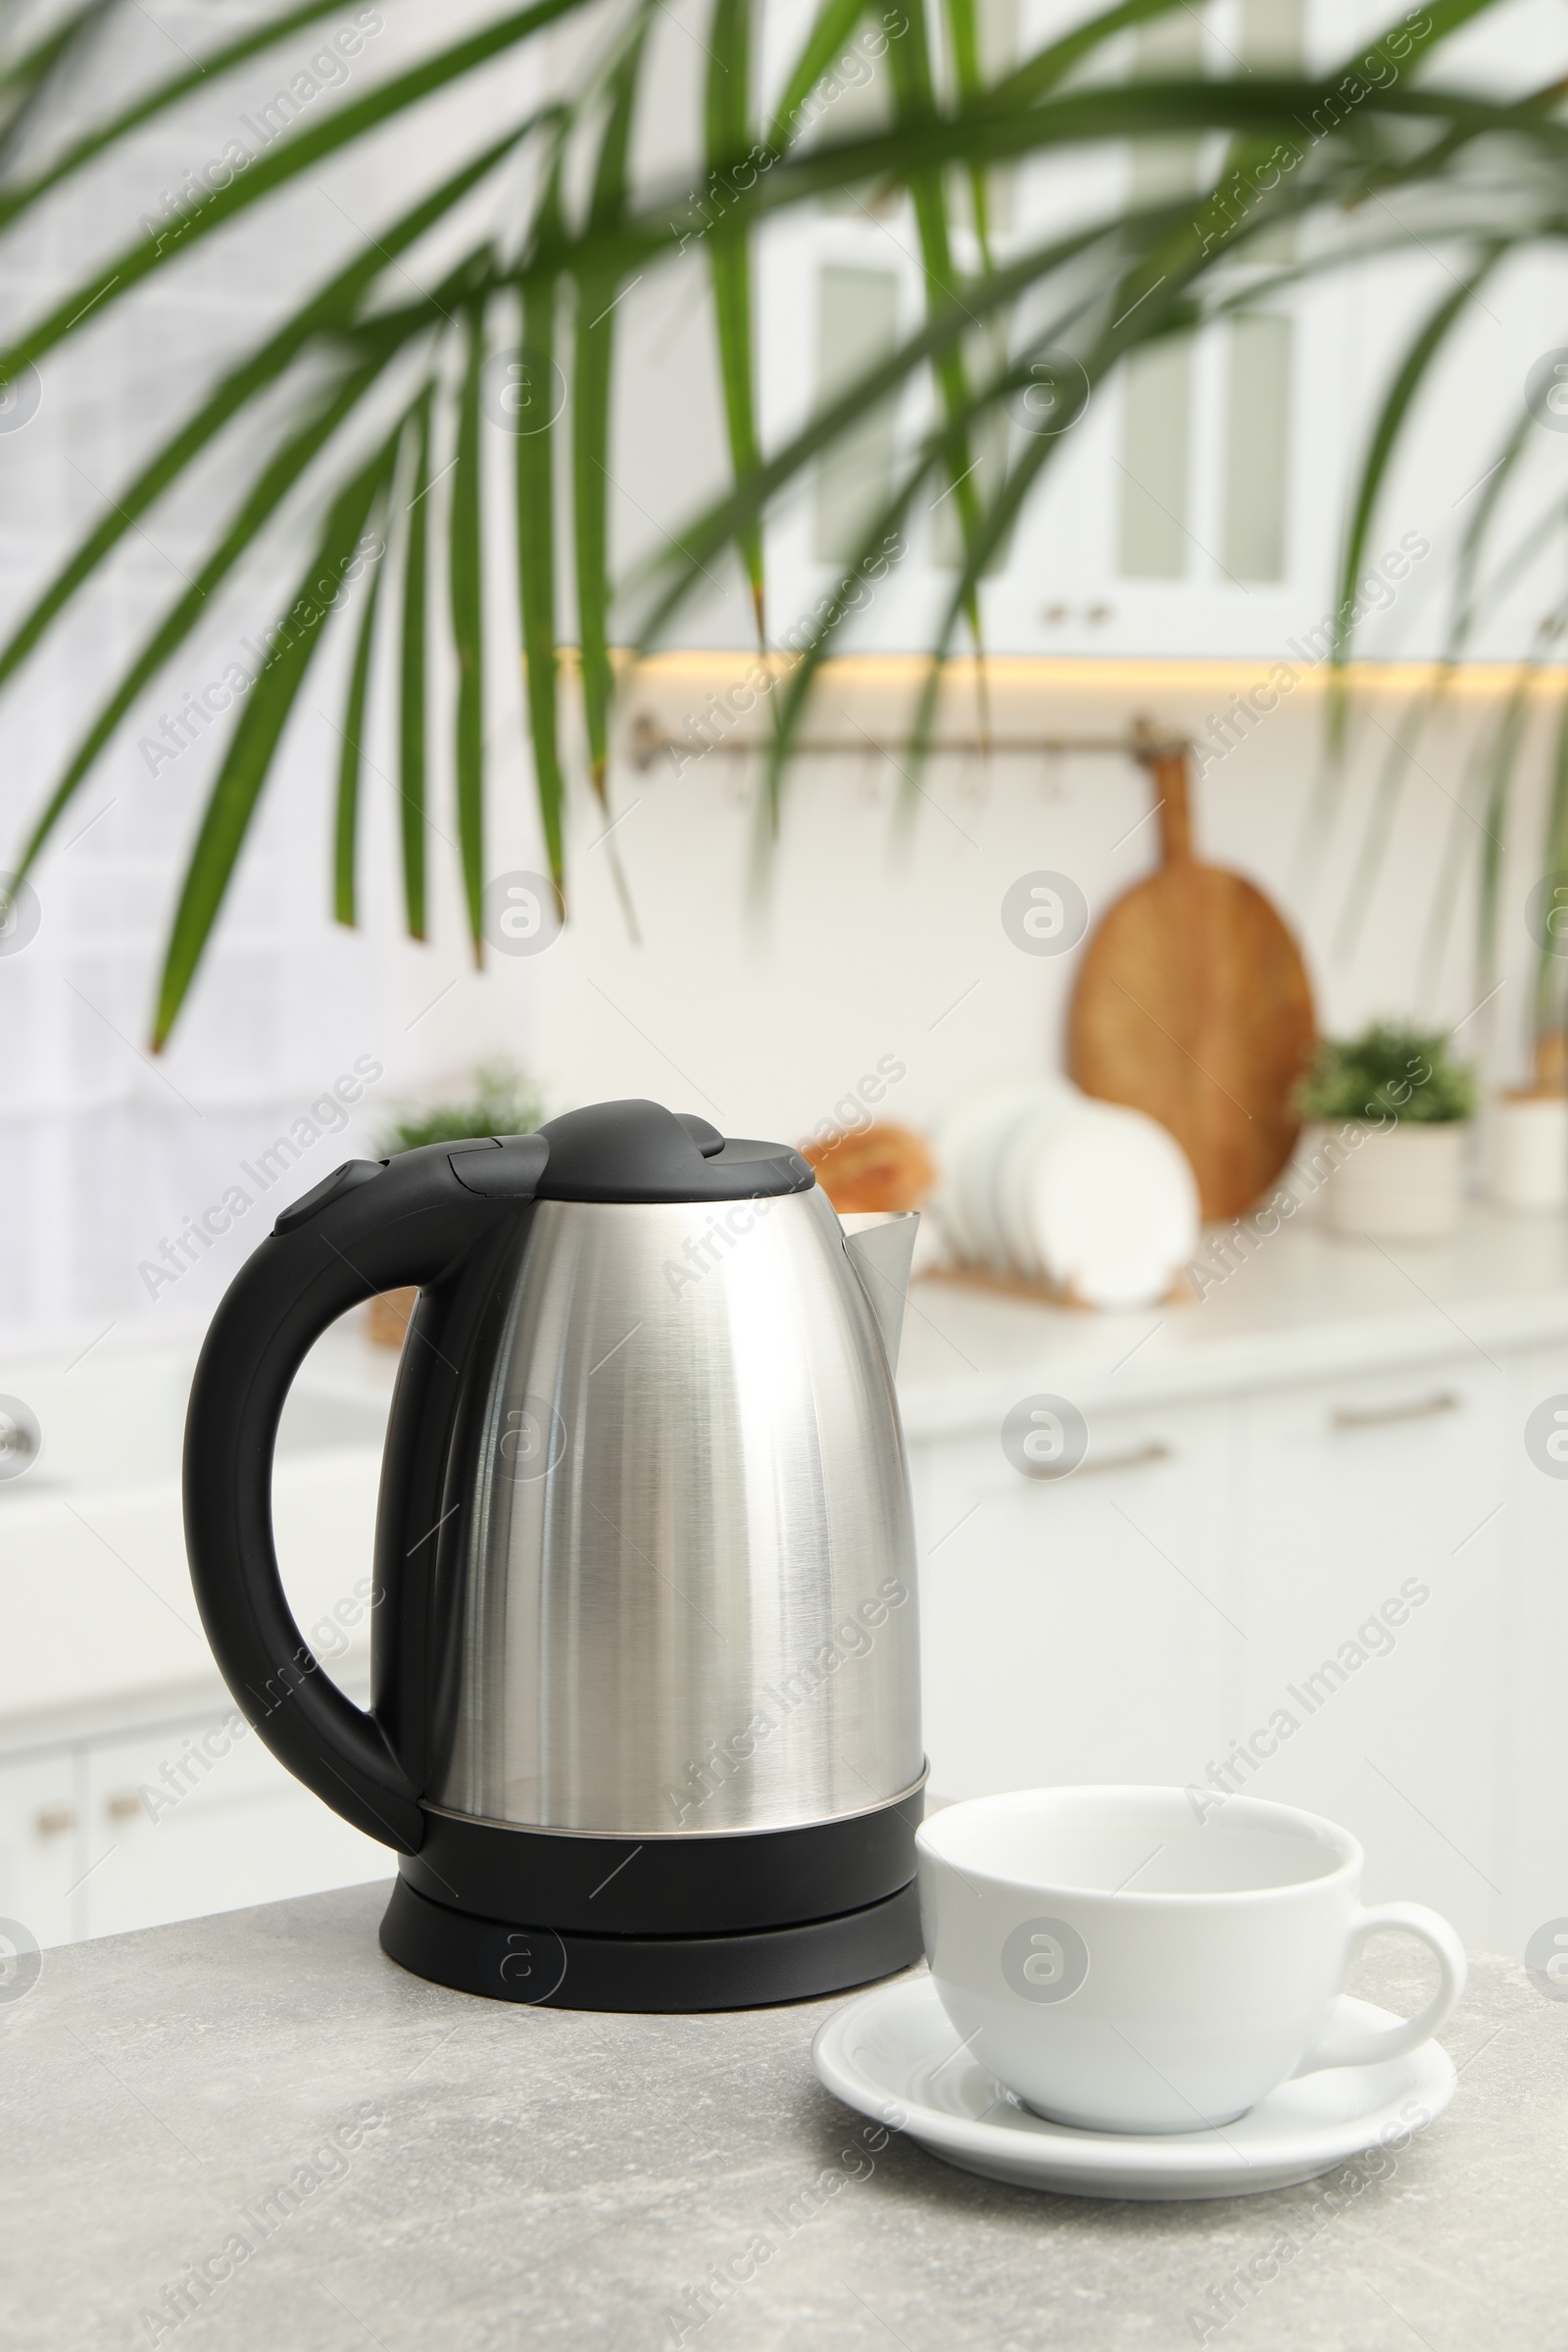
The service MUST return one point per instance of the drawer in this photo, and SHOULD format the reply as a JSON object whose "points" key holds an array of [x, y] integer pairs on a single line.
{"points": [[43, 1845]]}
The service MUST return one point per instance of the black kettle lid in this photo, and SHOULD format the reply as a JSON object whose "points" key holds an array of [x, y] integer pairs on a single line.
{"points": [[638, 1151]]}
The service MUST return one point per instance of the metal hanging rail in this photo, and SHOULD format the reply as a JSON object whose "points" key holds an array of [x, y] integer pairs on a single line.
{"points": [[649, 742]]}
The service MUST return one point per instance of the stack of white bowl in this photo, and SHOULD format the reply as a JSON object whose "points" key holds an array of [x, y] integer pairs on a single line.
{"points": [[1044, 1184]]}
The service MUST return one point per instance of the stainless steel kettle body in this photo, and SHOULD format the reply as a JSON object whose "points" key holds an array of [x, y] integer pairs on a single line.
{"points": [[646, 1726], [688, 1585]]}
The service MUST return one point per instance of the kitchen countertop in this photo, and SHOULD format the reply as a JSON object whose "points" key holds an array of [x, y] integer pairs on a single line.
{"points": [[481, 2176], [1291, 1305]]}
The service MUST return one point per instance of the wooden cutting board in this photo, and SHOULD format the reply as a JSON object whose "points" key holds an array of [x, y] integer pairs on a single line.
{"points": [[1192, 1004]]}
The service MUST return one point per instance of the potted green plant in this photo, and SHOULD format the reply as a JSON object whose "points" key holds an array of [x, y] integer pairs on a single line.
{"points": [[1398, 1108], [500, 1101]]}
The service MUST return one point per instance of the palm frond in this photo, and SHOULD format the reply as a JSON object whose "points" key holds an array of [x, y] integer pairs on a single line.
{"points": [[535, 489], [276, 481], [342, 364], [29, 78], [413, 669], [832, 27], [467, 596], [728, 121], [302, 151], [62, 45], [914, 93], [1410, 377], [350, 755], [1548, 993], [593, 375], [962, 22], [328, 313], [233, 801]]}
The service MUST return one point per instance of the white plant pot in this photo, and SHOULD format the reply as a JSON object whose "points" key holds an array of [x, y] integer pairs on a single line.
{"points": [[1398, 1184], [1527, 1151]]}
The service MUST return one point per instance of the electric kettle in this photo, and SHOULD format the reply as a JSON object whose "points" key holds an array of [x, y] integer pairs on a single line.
{"points": [[645, 1709]]}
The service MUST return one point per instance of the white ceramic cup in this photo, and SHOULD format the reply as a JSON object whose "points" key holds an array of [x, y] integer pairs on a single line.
{"points": [[1155, 1959]]}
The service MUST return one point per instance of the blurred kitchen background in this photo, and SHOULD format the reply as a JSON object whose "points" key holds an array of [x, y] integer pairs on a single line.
{"points": [[1272, 1454]]}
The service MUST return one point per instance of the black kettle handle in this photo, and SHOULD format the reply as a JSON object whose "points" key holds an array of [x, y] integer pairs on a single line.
{"points": [[370, 1226]]}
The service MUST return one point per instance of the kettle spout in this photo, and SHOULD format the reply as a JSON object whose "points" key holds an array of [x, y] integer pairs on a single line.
{"points": [[881, 1249]]}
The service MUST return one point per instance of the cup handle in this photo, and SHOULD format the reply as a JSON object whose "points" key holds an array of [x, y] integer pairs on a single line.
{"points": [[1355, 2045]]}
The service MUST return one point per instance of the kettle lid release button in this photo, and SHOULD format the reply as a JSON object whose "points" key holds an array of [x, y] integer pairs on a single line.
{"points": [[342, 1180], [505, 1167]]}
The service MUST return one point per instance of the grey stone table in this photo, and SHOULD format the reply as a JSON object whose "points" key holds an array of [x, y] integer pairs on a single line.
{"points": [[255, 2132]]}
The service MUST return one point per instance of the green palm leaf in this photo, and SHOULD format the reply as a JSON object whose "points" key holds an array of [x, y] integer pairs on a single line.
{"points": [[466, 591], [79, 152], [915, 95], [233, 801], [728, 122], [412, 680], [351, 757], [833, 26], [27, 82], [963, 40], [301, 152], [1501, 766], [678, 572], [593, 377], [276, 480], [593, 372], [333, 309], [535, 491], [1478, 529], [1409, 377], [1547, 1007], [1115, 284]]}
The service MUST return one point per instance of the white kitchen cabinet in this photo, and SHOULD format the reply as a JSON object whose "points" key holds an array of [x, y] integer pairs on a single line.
{"points": [[106, 1678], [242, 1829], [1086, 1628], [41, 1845], [1535, 1682], [111, 1830], [1345, 1474], [1377, 1607]]}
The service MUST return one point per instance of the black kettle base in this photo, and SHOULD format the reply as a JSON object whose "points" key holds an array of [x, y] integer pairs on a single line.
{"points": [[539, 1968]]}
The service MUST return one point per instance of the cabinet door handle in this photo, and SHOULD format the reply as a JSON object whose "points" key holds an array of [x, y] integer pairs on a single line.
{"points": [[124, 1805], [1378, 1416], [54, 1820], [1132, 1458]]}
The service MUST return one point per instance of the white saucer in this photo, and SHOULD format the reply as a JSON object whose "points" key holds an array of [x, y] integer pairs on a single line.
{"points": [[894, 2055]]}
